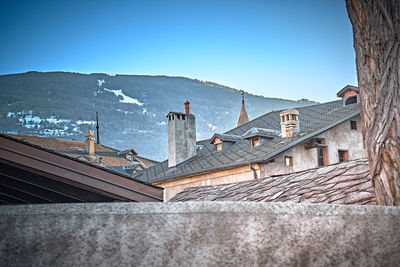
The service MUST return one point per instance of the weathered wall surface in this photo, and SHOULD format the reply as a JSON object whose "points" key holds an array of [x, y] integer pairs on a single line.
{"points": [[234, 175], [340, 137], [199, 234]]}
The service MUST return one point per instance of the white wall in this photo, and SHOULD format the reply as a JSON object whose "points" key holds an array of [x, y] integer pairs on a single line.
{"points": [[340, 137]]}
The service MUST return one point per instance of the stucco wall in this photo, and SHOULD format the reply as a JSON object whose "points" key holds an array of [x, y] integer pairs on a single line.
{"points": [[340, 137], [234, 175], [199, 234]]}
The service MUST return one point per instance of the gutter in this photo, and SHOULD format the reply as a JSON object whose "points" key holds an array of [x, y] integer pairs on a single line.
{"points": [[254, 171]]}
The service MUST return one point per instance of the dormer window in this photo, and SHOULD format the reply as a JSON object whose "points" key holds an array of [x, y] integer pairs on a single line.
{"points": [[129, 154], [224, 141], [349, 95]]}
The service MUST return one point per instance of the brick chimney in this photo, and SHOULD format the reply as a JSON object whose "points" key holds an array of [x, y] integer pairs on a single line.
{"points": [[89, 142], [187, 107], [181, 136], [289, 122]]}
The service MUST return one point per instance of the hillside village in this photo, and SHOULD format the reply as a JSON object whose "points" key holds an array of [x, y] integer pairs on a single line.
{"points": [[278, 143]]}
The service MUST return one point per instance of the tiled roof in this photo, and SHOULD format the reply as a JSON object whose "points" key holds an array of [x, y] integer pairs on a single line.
{"points": [[344, 183], [313, 120], [110, 157]]}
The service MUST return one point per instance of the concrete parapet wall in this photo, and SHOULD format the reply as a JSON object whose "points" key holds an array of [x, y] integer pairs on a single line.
{"points": [[199, 233]]}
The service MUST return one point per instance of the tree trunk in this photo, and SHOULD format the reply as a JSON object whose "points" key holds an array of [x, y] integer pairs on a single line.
{"points": [[376, 32]]}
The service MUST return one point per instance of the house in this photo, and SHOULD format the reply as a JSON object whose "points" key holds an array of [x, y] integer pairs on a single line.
{"points": [[341, 183], [48, 170], [279, 142]]}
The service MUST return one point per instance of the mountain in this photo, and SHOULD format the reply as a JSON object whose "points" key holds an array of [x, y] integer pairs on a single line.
{"points": [[132, 108]]}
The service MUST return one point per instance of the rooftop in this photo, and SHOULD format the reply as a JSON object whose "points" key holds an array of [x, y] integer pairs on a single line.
{"points": [[104, 156], [313, 120], [344, 183]]}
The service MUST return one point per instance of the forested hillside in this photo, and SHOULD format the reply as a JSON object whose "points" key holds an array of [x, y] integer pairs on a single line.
{"points": [[132, 108]]}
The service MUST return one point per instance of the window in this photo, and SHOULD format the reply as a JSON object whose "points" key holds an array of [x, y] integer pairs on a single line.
{"points": [[353, 125], [288, 161], [321, 161], [350, 100], [343, 155], [255, 141], [218, 146]]}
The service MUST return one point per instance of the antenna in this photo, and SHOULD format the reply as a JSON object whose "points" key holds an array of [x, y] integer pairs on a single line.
{"points": [[97, 127], [242, 92]]}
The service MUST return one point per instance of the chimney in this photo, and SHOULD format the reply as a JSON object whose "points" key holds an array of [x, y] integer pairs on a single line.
{"points": [[289, 122], [187, 107], [181, 136], [89, 142]]}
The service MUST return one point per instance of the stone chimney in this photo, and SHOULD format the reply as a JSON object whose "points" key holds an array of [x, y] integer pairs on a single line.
{"points": [[289, 122], [89, 142], [181, 136]]}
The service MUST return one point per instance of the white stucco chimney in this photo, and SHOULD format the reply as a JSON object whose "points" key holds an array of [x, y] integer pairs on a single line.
{"points": [[89, 142], [181, 136], [289, 122]]}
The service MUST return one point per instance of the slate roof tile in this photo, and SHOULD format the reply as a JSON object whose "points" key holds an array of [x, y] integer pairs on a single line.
{"points": [[329, 184]]}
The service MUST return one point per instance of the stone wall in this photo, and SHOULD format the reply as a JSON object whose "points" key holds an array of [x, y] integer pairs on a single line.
{"points": [[201, 233]]}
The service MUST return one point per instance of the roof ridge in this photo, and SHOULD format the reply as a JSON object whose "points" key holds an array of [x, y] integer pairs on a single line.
{"points": [[280, 110]]}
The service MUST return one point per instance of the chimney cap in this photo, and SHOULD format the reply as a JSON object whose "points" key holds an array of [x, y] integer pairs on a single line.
{"points": [[289, 111], [178, 113]]}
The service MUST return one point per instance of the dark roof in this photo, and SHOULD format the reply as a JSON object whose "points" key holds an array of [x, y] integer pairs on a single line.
{"points": [[110, 158], [347, 88], [33, 174], [313, 120], [344, 183]]}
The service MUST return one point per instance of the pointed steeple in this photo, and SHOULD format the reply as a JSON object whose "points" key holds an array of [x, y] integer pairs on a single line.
{"points": [[243, 117]]}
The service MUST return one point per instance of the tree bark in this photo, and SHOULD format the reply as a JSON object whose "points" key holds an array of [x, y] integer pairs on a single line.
{"points": [[376, 32]]}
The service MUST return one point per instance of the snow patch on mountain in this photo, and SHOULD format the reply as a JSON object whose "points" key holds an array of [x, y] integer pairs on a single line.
{"points": [[125, 98], [212, 127], [85, 122], [100, 82]]}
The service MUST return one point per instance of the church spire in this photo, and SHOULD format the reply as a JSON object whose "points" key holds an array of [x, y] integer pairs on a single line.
{"points": [[243, 118]]}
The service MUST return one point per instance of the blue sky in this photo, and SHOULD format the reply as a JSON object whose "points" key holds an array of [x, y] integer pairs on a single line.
{"points": [[285, 49]]}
